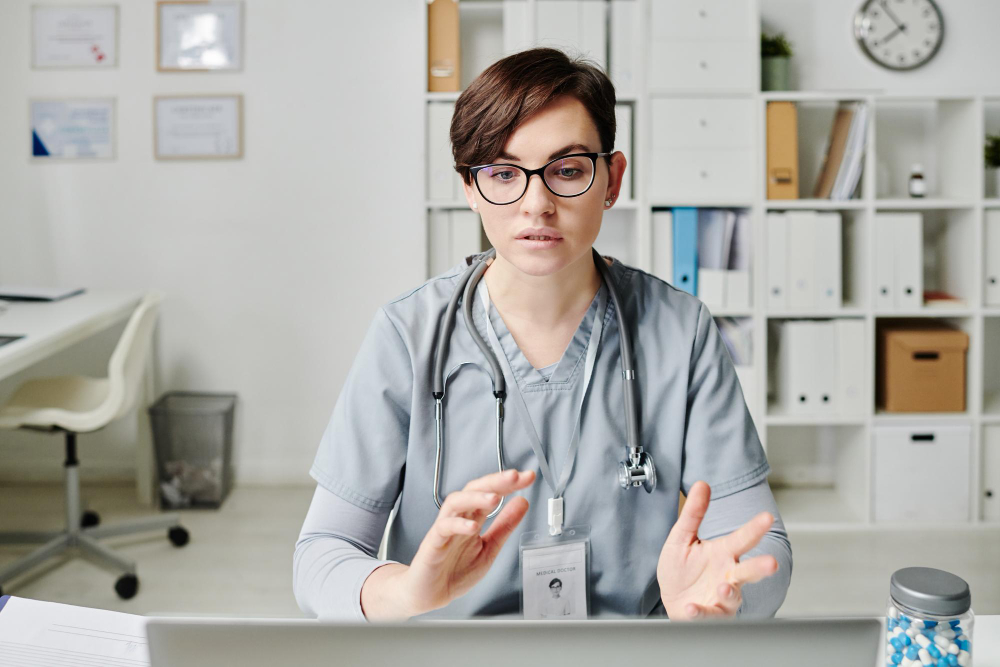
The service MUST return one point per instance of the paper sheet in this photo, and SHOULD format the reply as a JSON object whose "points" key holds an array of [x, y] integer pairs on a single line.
{"points": [[56, 635]]}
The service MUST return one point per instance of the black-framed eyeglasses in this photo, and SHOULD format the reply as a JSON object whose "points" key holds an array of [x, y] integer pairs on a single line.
{"points": [[565, 176]]}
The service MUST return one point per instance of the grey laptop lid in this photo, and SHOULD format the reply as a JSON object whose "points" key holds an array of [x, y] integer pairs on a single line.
{"points": [[489, 643]]}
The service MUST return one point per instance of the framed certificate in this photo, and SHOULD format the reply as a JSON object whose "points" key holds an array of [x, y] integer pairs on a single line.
{"points": [[64, 36], [199, 36], [72, 129], [198, 127]]}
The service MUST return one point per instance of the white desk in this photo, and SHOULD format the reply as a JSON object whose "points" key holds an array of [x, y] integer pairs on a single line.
{"points": [[50, 327]]}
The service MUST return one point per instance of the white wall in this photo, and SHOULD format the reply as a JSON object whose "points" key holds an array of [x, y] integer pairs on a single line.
{"points": [[828, 58], [274, 264]]}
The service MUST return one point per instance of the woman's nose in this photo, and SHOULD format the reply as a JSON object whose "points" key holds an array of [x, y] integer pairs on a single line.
{"points": [[537, 199]]}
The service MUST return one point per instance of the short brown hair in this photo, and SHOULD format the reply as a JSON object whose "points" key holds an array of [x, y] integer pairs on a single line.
{"points": [[513, 89]]}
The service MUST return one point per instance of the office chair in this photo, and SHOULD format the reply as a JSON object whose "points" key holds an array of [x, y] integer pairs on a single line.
{"points": [[72, 405]]}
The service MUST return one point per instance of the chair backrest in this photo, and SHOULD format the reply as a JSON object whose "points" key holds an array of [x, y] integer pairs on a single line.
{"points": [[128, 361]]}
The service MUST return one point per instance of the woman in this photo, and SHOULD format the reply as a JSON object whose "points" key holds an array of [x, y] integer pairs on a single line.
{"points": [[726, 553]]}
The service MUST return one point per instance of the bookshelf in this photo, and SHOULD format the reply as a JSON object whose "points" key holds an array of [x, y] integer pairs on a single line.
{"points": [[824, 472]]}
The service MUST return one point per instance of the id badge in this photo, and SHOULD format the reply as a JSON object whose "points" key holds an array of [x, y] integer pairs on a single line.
{"points": [[555, 574]]}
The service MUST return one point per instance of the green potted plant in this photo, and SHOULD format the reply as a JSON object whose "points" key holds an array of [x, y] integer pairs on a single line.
{"points": [[775, 54], [992, 154]]}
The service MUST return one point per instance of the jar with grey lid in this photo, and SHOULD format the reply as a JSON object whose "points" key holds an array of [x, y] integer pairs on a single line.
{"points": [[929, 619]]}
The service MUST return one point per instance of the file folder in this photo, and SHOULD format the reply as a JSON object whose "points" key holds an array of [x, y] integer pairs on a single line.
{"points": [[777, 257], [909, 242], [823, 375], [801, 259], [992, 290], [782, 151], [443, 28], [828, 261], [663, 245], [795, 361], [686, 250], [850, 367], [885, 264]]}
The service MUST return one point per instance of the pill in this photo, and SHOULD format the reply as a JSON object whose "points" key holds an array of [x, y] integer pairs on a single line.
{"points": [[896, 658], [947, 634], [925, 657], [930, 624], [934, 651], [952, 660], [951, 623], [918, 624], [906, 640], [963, 658], [904, 623], [942, 642], [896, 644], [922, 640], [953, 649], [906, 662], [910, 632], [912, 652], [891, 624], [930, 634]]}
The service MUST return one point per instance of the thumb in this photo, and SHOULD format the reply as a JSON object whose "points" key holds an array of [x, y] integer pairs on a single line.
{"points": [[504, 525]]}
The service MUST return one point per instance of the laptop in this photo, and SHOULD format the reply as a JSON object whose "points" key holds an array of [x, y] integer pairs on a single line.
{"points": [[492, 643]]}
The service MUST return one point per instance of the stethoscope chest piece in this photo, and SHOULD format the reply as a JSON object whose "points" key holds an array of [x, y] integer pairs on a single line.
{"points": [[638, 471]]}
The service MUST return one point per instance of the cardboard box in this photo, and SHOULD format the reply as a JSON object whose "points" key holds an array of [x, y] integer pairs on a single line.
{"points": [[443, 47], [921, 368], [782, 150]]}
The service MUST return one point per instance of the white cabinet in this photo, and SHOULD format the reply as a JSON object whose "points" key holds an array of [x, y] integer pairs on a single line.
{"points": [[990, 466], [922, 474]]}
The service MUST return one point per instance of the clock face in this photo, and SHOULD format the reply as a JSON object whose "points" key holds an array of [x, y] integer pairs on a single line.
{"points": [[899, 34]]}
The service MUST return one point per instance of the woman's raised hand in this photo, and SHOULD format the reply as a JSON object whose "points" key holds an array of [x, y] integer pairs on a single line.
{"points": [[704, 578], [453, 556]]}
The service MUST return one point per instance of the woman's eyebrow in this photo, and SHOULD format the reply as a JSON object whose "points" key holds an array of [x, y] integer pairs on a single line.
{"points": [[580, 148]]}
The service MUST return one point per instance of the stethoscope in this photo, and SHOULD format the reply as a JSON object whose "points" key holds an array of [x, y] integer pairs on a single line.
{"points": [[636, 470]]}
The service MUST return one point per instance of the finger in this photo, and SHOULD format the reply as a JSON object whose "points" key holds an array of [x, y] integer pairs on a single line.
{"points": [[729, 598], [504, 524], [448, 527], [753, 570], [746, 537], [685, 530], [504, 483], [697, 611], [465, 502]]}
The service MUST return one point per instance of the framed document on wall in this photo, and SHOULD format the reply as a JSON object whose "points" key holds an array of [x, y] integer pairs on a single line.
{"points": [[72, 129], [199, 36], [64, 36], [195, 127]]}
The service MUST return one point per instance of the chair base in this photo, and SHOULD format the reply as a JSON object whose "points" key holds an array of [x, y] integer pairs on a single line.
{"points": [[84, 540]]}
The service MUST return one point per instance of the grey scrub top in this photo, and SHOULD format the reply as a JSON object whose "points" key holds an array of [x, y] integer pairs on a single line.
{"points": [[380, 444]]}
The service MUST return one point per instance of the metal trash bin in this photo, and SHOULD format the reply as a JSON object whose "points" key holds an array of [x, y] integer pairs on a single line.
{"points": [[193, 438]]}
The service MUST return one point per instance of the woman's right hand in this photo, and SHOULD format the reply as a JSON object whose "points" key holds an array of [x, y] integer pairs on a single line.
{"points": [[453, 556]]}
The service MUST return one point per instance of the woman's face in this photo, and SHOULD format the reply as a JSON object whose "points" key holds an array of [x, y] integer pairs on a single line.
{"points": [[570, 224]]}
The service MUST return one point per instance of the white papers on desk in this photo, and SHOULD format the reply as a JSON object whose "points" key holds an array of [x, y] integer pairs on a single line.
{"points": [[59, 635]]}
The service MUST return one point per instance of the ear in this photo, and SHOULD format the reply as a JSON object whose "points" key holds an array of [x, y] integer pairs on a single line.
{"points": [[616, 172], [471, 196]]}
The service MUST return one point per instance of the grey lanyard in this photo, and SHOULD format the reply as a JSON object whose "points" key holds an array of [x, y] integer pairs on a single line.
{"points": [[556, 502]]}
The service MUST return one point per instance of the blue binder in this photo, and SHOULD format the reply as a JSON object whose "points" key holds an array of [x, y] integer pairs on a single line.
{"points": [[686, 250]]}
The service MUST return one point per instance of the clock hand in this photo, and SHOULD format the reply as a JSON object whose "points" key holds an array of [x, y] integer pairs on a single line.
{"points": [[890, 35], [902, 26]]}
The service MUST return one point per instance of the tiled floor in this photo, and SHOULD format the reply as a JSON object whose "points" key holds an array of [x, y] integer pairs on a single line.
{"points": [[239, 559]]}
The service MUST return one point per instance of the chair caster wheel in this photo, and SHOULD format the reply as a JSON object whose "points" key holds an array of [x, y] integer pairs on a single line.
{"points": [[90, 519], [127, 586], [179, 536]]}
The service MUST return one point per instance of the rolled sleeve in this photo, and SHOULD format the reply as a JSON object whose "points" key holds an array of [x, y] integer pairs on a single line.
{"points": [[363, 450]]}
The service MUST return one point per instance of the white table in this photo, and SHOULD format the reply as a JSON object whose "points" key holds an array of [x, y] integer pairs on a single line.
{"points": [[50, 327]]}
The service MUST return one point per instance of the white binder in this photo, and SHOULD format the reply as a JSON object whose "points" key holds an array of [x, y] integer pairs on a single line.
{"points": [[777, 257], [623, 143], [796, 389], [885, 263], [824, 371], [801, 260], [828, 261], [443, 182], [991, 473], [909, 244], [439, 242], [663, 245], [992, 288], [850, 367], [623, 50], [466, 234]]}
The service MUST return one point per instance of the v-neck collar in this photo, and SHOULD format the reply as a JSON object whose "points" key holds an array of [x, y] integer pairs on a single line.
{"points": [[568, 367]]}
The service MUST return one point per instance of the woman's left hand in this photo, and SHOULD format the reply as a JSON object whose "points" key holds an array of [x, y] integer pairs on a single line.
{"points": [[699, 579]]}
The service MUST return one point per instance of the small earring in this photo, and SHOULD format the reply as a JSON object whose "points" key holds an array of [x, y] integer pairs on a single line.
{"points": [[475, 206], [607, 202]]}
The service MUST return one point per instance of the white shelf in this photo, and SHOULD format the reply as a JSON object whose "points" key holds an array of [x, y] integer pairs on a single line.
{"points": [[850, 312], [892, 418], [818, 204], [443, 97], [816, 95], [941, 311], [701, 203], [918, 203]]}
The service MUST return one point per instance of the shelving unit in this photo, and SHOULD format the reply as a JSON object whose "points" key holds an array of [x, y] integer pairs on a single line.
{"points": [[823, 466]]}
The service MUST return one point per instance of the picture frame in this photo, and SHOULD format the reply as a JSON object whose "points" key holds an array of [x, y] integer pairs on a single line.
{"points": [[74, 37], [199, 35], [198, 127], [81, 128]]}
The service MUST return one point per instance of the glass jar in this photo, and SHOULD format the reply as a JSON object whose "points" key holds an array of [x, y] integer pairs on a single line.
{"points": [[929, 619]]}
